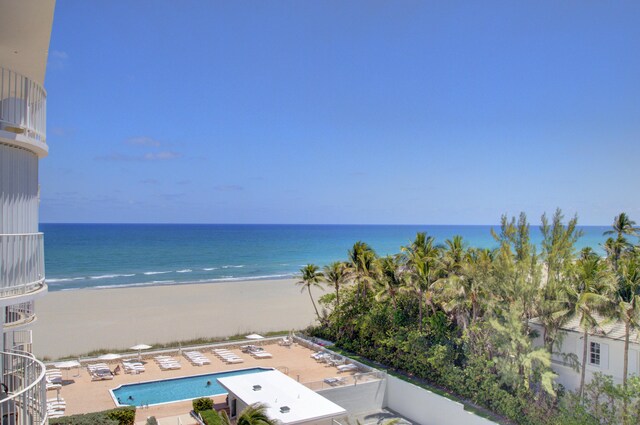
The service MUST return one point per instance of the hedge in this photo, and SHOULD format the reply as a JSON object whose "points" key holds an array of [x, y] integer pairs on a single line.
{"points": [[119, 416], [210, 417]]}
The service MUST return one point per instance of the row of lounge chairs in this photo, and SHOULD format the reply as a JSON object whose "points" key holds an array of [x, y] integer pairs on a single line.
{"points": [[227, 356], [99, 371], [56, 407], [167, 363], [53, 379], [337, 361], [197, 358], [329, 359]]}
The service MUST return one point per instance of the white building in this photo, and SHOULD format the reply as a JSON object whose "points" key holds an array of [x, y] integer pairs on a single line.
{"points": [[605, 352], [25, 29], [287, 400]]}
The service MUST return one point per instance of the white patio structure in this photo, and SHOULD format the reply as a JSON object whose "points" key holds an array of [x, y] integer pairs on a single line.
{"points": [[287, 400]]}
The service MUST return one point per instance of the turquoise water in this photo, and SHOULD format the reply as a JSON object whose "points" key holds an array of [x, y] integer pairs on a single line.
{"points": [[169, 390], [128, 255]]}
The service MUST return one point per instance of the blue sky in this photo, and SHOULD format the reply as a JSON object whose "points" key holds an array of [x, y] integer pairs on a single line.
{"points": [[341, 112]]}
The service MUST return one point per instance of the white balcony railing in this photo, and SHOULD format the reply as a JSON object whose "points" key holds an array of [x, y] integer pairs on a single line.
{"points": [[19, 314], [21, 263], [23, 397], [23, 105]]}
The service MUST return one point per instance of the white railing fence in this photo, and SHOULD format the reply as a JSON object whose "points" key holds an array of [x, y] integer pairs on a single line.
{"points": [[19, 314], [23, 105], [342, 381], [21, 263], [23, 398]]}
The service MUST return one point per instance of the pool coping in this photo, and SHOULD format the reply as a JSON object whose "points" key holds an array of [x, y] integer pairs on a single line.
{"points": [[115, 399]]}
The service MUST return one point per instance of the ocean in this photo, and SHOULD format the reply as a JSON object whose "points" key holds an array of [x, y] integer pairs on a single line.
{"points": [[102, 256]]}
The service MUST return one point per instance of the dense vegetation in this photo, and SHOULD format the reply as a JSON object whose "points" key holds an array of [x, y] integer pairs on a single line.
{"points": [[458, 317]]}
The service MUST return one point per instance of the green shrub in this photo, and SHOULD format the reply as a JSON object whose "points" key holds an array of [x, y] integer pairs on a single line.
{"points": [[204, 403], [88, 419], [119, 416], [124, 416], [210, 417], [152, 420]]}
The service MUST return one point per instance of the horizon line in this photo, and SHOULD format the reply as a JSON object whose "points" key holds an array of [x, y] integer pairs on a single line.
{"points": [[299, 224]]}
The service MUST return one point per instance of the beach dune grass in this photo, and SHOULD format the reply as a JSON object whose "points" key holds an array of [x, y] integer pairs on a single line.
{"points": [[174, 345]]}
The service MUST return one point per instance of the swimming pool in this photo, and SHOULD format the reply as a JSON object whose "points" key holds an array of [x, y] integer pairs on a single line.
{"points": [[174, 389]]}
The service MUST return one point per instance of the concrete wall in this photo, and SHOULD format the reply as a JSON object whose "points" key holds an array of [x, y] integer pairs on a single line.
{"points": [[360, 398], [426, 408]]}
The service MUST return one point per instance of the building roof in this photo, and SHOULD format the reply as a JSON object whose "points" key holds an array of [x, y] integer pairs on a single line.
{"points": [[25, 30], [605, 329], [278, 391]]}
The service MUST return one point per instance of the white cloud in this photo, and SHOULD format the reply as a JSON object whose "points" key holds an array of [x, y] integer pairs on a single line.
{"points": [[57, 59], [161, 156], [228, 188], [143, 141]]}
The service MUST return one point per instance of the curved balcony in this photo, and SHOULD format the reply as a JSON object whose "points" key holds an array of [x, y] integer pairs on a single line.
{"points": [[23, 106], [21, 264], [23, 397], [19, 314]]}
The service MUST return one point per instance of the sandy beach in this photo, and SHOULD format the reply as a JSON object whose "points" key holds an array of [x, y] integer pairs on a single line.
{"points": [[75, 322]]}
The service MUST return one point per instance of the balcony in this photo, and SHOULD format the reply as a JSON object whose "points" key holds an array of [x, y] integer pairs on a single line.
{"points": [[21, 264], [19, 314], [23, 106], [23, 395]]}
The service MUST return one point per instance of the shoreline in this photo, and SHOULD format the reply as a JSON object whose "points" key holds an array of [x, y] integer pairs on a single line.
{"points": [[212, 281], [79, 321]]}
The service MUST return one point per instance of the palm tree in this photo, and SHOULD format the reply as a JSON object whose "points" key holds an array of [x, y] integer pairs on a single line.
{"points": [[392, 280], [463, 292], [584, 297], [255, 414], [622, 226], [362, 264], [310, 276], [336, 275], [452, 257], [627, 299], [421, 259]]}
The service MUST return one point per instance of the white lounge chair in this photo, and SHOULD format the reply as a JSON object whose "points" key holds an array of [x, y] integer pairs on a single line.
{"points": [[101, 377], [197, 358], [170, 365], [347, 367], [221, 351], [55, 413], [262, 355], [56, 405], [133, 367], [51, 386], [335, 381], [286, 341]]}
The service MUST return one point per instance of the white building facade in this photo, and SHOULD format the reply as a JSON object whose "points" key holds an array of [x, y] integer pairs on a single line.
{"points": [[25, 30], [605, 352]]}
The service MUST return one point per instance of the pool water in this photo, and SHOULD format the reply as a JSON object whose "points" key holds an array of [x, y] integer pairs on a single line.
{"points": [[175, 389]]}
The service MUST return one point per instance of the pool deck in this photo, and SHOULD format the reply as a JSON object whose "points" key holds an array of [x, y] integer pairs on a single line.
{"points": [[84, 396]]}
